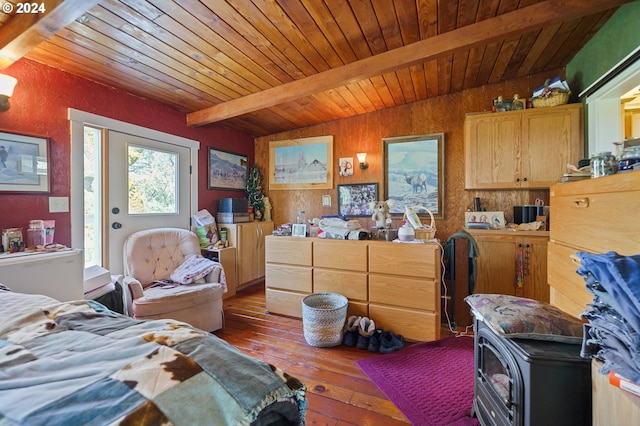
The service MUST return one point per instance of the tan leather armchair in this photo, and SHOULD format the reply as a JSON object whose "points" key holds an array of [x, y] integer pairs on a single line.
{"points": [[151, 256]]}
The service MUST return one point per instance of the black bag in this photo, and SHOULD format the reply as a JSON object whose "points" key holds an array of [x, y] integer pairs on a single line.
{"points": [[113, 299]]}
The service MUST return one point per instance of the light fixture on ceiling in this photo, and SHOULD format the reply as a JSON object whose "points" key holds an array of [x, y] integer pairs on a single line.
{"points": [[7, 84], [362, 159]]}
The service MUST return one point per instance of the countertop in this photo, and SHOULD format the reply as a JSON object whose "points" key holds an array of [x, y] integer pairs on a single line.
{"points": [[507, 232]]}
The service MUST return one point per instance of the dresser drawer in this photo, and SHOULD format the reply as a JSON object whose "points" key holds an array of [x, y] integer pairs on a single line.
{"points": [[296, 278], [284, 303], [289, 250], [568, 288], [416, 260], [404, 292], [352, 285], [411, 324], [340, 254], [594, 217]]}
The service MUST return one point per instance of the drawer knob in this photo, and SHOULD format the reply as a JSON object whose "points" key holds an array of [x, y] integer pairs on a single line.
{"points": [[582, 202]]}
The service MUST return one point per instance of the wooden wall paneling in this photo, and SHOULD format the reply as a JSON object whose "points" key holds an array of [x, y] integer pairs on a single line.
{"points": [[365, 132]]}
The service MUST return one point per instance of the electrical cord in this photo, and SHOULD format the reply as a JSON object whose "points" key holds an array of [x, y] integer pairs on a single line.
{"points": [[445, 292]]}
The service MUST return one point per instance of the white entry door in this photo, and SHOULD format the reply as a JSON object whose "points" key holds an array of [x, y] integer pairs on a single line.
{"points": [[149, 186]]}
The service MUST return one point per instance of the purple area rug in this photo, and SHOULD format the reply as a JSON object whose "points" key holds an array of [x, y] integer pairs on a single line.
{"points": [[430, 382]]}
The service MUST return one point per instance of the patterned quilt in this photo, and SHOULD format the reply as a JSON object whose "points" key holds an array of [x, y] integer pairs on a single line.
{"points": [[77, 363]]}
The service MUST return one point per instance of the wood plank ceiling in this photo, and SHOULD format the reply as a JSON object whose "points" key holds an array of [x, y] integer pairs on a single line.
{"points": [[265, 66]]}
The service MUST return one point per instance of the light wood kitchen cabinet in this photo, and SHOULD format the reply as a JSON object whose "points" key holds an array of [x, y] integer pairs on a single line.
{"points": [[525, 149], [397, 285], [505, 256], [248, 239]]}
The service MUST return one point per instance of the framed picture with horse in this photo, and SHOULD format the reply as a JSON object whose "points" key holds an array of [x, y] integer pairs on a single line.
{"points": [[414, 173]]}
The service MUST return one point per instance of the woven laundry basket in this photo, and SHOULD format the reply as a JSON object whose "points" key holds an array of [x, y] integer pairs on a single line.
{"points": [[323, 318]]}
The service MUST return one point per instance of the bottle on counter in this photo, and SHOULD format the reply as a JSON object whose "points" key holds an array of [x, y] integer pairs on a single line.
{"points": [[603, 164], [302, 219], [36, 234]]}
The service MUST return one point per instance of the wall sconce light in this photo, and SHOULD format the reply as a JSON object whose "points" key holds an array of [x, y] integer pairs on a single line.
{"points": [[362, 159], [7, 84]]}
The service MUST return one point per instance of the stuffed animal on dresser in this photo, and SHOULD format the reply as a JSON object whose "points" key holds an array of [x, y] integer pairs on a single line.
{"points": [[381, 215]]}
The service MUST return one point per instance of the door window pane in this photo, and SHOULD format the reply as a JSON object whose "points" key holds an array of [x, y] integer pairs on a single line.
{"points": [[92, 196], [152, 180]]}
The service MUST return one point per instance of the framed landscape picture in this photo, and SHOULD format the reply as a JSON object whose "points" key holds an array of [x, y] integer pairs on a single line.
{"points": [[414, 173], [227, 170], [24, 163], [305, 163]]}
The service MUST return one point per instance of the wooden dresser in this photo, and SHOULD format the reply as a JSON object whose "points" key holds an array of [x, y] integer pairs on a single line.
{"points": [[596, 216], [397, 285]]}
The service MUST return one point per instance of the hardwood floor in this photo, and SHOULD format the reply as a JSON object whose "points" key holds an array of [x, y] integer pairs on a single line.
{"points": [[339, 393]]}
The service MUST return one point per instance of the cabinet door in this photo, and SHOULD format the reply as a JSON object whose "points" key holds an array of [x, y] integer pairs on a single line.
{"points": [[251, 258], [505, 258], [492, 145], [551, 139], [247, 252], [535, 268], [496, 265]]}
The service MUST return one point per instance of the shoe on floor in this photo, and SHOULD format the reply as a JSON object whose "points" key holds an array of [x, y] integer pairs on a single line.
{"points": [[366, 327], [353, 323], [350, 338], [374, 341], [390, 342], [351, 327], [365, 331]]}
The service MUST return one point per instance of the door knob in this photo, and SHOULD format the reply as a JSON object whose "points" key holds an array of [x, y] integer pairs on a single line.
{"points": [[116, 225]]}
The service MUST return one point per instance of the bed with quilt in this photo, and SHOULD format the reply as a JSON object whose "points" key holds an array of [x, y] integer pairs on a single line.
{"points": [[78, 363]]}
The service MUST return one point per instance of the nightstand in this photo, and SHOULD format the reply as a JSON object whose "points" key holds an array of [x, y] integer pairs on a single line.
{"points": [[227, 258]]}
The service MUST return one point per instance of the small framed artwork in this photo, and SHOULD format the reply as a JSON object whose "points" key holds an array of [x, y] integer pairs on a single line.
{"points": [[298, 230], [24, 163], [353, 200], [346, 166], [227, 170]]}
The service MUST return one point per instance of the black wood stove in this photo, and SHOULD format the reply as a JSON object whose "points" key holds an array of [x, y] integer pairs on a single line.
{"points": [[529, 382]]}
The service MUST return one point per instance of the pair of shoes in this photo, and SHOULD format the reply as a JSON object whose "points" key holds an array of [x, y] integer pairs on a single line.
{"points": [[374, 340], [365, 331], [351, 327], [390, 342]]}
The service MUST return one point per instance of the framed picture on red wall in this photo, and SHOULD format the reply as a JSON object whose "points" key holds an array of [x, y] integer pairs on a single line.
{"points": [[24, 163], [227, 170]]}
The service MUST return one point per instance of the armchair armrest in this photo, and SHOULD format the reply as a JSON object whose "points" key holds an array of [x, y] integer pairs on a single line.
{"points": [[217, 276], [132, 289]]}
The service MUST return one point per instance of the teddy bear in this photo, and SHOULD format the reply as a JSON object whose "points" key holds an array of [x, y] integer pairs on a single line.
{"points": [[381, 215]]}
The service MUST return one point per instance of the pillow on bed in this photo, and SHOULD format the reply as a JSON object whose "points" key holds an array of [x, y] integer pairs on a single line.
{"points": [[4, 287], [520, 318]]}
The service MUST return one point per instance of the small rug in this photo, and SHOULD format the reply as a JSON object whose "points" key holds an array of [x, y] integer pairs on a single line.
{"points": [[430, 382]]}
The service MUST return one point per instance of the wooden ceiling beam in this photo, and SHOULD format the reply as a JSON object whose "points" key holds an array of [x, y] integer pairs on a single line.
{"points": [[498, 28], [27, 28]]}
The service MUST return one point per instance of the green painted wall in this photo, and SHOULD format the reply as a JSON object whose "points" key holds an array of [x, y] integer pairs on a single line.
{"points": [[618, 37]]}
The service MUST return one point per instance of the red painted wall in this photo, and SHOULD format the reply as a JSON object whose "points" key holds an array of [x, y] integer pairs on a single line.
{"points": [[39, 107]]}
